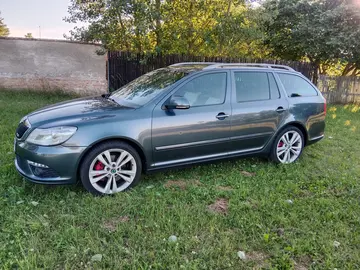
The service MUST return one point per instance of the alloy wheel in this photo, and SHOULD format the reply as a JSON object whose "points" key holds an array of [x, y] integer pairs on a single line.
{"points": [[112, 171], [289, 147]]}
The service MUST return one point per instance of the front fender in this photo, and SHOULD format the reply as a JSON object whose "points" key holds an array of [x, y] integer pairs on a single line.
{"points": [[136, 131]]}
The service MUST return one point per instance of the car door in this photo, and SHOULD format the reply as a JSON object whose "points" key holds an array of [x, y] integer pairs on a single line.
{"points": [[200, 132], [258, 109]]}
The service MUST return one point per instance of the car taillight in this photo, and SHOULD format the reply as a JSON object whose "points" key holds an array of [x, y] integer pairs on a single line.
{"points": [[325, 107]]}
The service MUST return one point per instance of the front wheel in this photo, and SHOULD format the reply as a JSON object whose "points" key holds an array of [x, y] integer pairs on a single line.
{"points": [[110, 168], [288, 145]]}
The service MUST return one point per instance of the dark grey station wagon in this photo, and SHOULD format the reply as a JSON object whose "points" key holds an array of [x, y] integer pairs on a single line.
{"points": [[179, 115]]}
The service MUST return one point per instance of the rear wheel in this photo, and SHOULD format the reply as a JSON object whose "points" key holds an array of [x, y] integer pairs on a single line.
{"points": [[288, 145], [110, 168]]}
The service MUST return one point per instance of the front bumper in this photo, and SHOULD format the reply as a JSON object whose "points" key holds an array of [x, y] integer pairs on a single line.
{"points": [[62, 162]]}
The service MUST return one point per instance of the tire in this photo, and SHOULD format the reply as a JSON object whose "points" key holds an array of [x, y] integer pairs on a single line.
{"points": [[284, 150], [101, 177]]}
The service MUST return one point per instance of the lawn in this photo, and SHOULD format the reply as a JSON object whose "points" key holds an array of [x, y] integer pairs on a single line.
{"points": [[300, 216]]}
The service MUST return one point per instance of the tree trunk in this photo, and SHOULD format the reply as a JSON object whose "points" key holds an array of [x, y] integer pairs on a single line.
{"points": [[138, 41], [315, 75], [158, 24], [222, 38], [123, 29], [348, 68], [190, 29], [354, 72], [323, 69]]}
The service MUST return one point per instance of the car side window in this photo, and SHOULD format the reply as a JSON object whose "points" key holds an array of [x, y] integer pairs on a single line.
{"points": [[296, 86], [207, 89], [252, 86]]}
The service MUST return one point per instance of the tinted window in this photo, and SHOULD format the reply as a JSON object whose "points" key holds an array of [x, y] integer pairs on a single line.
{"points": [[274, 89], [208, 89], [252, 86], [296, 85], [143, 89]]}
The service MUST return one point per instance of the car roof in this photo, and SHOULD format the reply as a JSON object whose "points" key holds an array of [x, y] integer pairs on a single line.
{"points": [[212, 65]]}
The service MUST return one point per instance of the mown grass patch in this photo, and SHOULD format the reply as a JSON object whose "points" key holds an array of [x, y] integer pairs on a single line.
{"points": [[282, 217]]}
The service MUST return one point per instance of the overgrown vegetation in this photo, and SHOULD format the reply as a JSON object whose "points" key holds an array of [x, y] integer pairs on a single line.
{"points": [[4, 30], [205, 27], [298, 216], [323, 32]]}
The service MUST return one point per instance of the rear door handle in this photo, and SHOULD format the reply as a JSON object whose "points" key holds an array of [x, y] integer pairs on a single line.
{"points": [[280, 110], [222, 116]]}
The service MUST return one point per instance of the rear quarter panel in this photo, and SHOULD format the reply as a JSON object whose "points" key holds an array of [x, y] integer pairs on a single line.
{"points": [[307, 110]]}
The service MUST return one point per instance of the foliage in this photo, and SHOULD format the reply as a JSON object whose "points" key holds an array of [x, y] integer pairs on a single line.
{"points": [[323, 31], [200, 27], [29, 35], [4, 30], [63, 227]]}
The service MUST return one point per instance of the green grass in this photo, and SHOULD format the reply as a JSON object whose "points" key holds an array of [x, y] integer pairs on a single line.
{"points": [[69, 226]]}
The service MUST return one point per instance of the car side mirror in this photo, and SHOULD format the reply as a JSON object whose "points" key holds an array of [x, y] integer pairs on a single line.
{"points": [[179, 103]]}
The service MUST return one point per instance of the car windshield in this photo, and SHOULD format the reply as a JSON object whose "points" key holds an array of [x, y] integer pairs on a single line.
{"points": [[143, 89]]}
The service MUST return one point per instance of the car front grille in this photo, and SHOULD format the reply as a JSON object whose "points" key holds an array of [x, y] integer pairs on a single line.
{"points": [[21, 129]]}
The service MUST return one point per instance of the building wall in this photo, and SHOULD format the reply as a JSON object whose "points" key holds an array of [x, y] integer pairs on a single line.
{"points": [[52, 65]]}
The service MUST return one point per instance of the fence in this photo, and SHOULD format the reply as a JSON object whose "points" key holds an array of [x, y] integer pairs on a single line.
{"points": [[340, 89], [124, 67]]}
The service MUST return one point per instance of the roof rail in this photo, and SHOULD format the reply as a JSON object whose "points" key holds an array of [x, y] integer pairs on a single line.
{"points": [[224, 65], [193, 63]]}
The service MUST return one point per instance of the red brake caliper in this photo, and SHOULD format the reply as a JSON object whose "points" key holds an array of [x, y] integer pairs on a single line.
{"points": [[281, 144], [99, 166]]}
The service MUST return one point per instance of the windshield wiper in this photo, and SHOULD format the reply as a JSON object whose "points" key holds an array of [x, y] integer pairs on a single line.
{"points": [[107, 96]]}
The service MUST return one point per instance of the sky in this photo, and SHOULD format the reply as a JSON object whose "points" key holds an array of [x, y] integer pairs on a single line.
{"points": [[25, 16]]}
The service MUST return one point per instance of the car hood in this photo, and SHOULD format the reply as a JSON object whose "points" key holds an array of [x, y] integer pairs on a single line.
{"points": [[69, 112]]}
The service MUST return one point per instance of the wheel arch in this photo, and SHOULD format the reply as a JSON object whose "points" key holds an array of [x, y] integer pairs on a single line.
{"points": [[297, 125], [129, 141]]}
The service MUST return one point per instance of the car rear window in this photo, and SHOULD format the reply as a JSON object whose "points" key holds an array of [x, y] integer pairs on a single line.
{"points": [[296, 86]]}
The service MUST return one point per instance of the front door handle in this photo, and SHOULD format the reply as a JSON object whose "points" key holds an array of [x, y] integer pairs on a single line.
{"points": [[280, 110], [222, 116]]}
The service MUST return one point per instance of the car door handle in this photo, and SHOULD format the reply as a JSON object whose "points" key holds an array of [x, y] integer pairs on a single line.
{"points": [[222, 116], [280, 110]]}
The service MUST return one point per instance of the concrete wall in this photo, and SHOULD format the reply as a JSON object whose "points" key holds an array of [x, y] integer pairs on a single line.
{"points": [[51, 65]]}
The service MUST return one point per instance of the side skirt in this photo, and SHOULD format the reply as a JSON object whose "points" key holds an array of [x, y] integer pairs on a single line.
{"points": [[228, 156]]}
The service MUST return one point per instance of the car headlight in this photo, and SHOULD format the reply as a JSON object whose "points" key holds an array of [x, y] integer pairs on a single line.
{"points": [[50, 136]]}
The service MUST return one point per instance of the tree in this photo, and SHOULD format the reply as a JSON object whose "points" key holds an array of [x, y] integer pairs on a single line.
{"points": [[322, 31], [4, 30], [118, 25], [237, 33], [29, 35], [198, 27]]}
